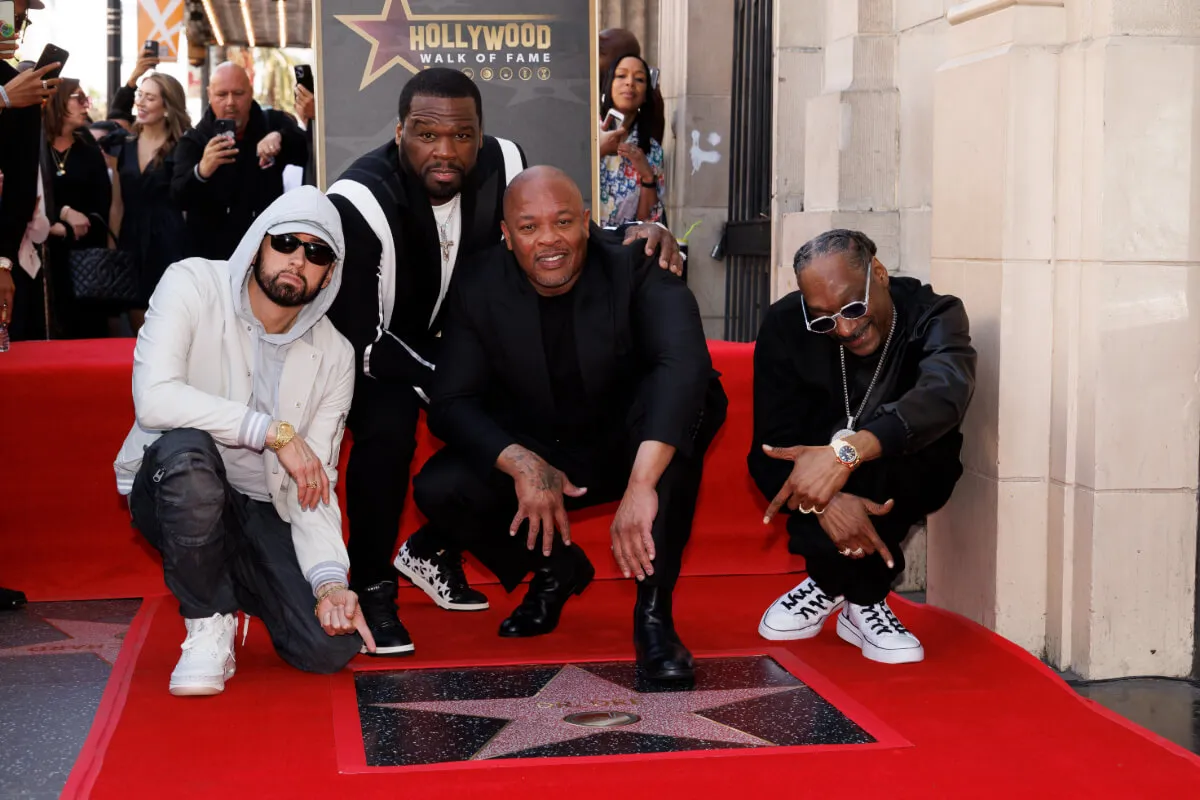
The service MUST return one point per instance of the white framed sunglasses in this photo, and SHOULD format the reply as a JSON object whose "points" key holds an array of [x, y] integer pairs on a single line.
{"points": [[854, 310]]}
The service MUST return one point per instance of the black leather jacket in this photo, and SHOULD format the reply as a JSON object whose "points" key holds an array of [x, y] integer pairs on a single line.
{"points": [[921, 395]]}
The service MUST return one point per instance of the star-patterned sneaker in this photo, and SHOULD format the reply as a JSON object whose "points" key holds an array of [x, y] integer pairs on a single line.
{"points": [[441, 577], [881, 636], [799, 614], [207, 660]]}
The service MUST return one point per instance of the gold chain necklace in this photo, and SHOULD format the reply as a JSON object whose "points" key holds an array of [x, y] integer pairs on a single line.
{"points": [[61, 163]]}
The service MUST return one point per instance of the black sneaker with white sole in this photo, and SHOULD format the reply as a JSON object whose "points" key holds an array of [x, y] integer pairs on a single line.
{"points": [[378, 604], [440, 576]]}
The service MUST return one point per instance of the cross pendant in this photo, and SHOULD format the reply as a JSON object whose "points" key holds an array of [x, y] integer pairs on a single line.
{"points": [[446, 245]]}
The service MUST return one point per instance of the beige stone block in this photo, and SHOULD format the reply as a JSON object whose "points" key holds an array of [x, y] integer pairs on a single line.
{"points": [[1060, 549], [704, 130], [1151, 129], [710, 47], [1021, 25], [1146, 18], [919, 54], [852, 151], [800, 24], [784, 282], [1029, 213], [981, 289], [1025, 370], [706, 276], [798, 79], [915, 243], [1135, 585], [1069, 165], [1065, 369], [962, 551], [948, 277], [860, 62], [714, 328], [911, 13], [1147, 407], [849, 17], [913, 578], [1021, 544]]}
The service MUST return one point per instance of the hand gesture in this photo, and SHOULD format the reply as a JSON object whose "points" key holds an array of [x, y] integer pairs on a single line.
{"points": [[143, 65], [610, 141], [657, 238], [540, 489], [847, 523], [633, 543], [816, 477], [636, 156], [32, 88], [312, 484], [269, 147], [80, 225], [339, 615], [219, 151], [306, 104]]}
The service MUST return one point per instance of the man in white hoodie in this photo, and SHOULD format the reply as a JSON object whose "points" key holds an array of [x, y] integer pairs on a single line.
{"points": [[241, 388]]}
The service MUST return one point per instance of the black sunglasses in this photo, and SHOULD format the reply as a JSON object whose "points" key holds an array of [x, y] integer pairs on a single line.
{"points": [[317, 253]]}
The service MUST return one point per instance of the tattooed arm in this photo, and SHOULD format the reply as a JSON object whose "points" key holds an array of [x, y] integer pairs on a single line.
{"points": [[540, 489]]}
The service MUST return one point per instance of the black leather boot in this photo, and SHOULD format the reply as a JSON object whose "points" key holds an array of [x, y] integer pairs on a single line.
{"points": [[11, 599], [549, 589], [660, 653]]}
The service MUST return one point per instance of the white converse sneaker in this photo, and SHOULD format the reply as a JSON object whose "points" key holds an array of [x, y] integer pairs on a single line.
{"points": [[207, 660], [881, 636], [799, 614]]}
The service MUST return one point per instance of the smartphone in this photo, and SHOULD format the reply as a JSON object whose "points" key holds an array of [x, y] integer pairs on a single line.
{"points": [[50, 54], [150, 49], [304, 76], [226, 127], [613, 120], [653, 78], [8, 19]]}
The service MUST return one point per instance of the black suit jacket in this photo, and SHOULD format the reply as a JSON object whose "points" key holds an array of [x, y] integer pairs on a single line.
{"points": [[20, 137], [640, 343]]}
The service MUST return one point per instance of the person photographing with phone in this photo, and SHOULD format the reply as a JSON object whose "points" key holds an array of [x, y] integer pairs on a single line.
{"points": [[306, 111], [229, 168], [632, 185]]}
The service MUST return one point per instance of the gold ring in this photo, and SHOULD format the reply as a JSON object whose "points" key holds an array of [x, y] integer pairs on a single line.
{"points": [[803, 510], [846, 551], [312, 484]]}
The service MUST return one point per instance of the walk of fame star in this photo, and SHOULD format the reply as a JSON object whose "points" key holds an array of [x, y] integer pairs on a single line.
{"points": [[388, 34], [101, 639], [538, 720]]}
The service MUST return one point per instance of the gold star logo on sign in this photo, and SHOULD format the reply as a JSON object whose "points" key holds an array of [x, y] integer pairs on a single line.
{"points": [[397, 35]]}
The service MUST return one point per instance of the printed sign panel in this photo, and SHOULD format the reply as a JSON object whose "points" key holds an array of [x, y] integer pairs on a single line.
{"points": [[533, 60], [162, 21]]}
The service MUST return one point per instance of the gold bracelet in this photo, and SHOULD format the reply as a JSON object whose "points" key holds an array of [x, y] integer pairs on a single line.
{"points": [[325, 591]]}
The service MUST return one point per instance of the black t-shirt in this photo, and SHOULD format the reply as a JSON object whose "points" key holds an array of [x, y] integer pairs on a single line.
{"points": [[574, 421]]}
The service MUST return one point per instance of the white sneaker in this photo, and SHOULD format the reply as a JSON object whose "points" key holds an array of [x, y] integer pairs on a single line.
{"points": [[799, 614], [207, 660], [881, 636]]}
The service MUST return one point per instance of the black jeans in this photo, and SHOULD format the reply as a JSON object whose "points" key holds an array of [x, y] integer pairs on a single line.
{"points": [[383, 421], [920, 484], [472, 513], [223, 551]]}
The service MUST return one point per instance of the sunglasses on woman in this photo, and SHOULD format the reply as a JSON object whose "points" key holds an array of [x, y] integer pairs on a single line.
{"points": [[851, 311], [317, 253]]}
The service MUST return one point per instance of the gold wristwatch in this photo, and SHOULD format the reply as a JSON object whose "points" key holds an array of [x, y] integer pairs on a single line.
{"points": [[284, 433]]}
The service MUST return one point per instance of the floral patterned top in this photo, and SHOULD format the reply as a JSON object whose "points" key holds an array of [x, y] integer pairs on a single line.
{"points": [[620, 186]]}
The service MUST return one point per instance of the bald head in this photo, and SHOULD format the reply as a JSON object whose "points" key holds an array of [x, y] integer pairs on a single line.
{"points": [[230, 94], [546, 227], [615, 42]]}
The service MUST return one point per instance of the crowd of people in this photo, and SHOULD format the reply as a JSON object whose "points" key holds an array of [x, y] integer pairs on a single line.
{"points": [[562, 362]]}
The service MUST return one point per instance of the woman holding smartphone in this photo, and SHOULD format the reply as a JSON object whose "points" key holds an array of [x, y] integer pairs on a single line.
{"points": [[632, 188], [151, 224]]}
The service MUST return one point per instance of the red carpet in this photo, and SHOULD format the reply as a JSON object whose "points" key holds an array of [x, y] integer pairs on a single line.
{"points": [[984, 718], [65, 532]]}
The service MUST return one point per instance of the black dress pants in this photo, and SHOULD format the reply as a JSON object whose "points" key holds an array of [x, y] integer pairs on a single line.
{"points": [[472, 512], [223, 551], [920, 483], [383, 421]]}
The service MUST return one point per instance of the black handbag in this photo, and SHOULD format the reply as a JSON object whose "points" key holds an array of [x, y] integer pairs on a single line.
{"points": [[100, 275]]}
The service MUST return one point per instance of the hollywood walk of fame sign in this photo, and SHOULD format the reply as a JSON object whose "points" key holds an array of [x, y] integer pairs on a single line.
{"points": [[428, 716], [533, 60]]}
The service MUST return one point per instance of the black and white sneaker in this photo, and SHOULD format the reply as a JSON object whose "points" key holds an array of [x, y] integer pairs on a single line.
{"points": [[881, 636], [799, 614], [378, 604], [441, 577]]}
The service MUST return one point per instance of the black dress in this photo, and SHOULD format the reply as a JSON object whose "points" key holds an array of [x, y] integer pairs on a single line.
{"points": [[152, 229], [84, 185]]}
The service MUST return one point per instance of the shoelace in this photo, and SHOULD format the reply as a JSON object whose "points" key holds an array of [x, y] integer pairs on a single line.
{"points": [[380, 610], [877, 620], [210, 627], [896, 623], [450, 569]]}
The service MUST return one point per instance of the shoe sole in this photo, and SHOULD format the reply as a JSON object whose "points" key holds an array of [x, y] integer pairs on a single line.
{"points": [[397, 650], [425, 586], [769, 633], [849, 634], [216, 686]]}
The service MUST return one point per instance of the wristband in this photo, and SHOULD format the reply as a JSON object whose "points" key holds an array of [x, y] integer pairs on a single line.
{"points": [[4, 97], [199, 177], [649, 184]]}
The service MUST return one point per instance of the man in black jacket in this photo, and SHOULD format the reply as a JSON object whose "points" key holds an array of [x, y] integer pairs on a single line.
{"points": [[412, 211], [575, 372], [861, 382], [224, 182]]}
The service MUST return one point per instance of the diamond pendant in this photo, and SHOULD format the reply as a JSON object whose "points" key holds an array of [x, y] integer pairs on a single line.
{"points": [[60, 172]]}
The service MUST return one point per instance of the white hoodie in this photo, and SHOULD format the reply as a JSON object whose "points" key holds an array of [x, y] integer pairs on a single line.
{"points": [[194, 367]]}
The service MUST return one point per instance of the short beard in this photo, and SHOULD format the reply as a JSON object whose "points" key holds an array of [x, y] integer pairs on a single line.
{"points": [[435, 190], [283, 294]]}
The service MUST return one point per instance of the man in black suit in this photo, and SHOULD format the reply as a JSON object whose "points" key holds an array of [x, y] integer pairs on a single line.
{"points": [[575, 372], [21, 99]]}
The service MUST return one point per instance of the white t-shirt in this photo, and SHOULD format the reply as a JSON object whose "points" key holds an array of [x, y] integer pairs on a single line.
{"points": [[448, 217]]}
